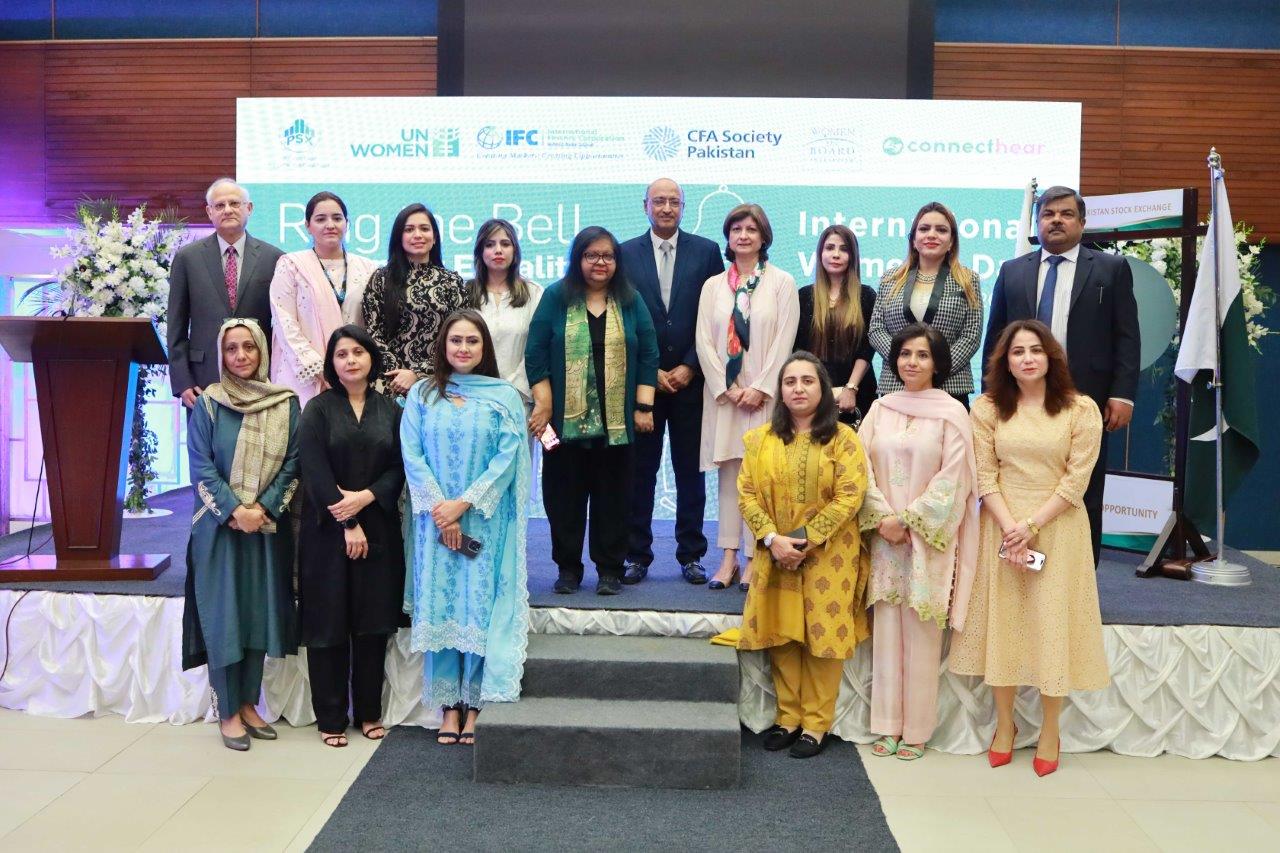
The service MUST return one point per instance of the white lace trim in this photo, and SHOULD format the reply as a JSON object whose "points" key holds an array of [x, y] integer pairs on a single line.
{"points": [[449, 635], [425, 496], [210, 505]]}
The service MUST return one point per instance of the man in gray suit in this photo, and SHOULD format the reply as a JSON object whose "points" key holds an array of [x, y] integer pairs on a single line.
{"points": [[225, 275]]}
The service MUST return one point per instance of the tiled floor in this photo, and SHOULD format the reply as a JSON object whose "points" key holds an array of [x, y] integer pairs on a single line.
{"points": [[104, 784]]}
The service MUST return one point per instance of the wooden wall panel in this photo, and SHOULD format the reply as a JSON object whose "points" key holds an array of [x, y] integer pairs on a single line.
{"points": [[22, 133], [1149, 115]]}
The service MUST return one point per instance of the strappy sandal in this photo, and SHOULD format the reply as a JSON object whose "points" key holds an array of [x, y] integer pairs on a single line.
{"points": [[337, 741], [907, 752], [444, 736], [469, 738], [369, 732], [885, 746]]}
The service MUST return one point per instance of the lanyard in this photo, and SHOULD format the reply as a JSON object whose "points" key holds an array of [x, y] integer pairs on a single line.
{"points": [[340, 293]]}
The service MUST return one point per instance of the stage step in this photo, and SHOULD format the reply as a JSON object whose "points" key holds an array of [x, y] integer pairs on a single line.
{"points": [[648, 668], [626, 743]]}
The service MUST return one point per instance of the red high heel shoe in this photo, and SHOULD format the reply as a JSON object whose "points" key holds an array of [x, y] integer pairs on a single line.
{"points": [[1044, 768], [1000, 759]]}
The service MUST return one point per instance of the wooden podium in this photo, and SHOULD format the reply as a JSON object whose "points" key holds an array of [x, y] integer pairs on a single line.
{"points": [[86, 372]]}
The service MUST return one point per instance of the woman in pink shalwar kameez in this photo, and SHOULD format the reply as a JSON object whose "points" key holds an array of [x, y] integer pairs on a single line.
{"points": [[921, 522]]}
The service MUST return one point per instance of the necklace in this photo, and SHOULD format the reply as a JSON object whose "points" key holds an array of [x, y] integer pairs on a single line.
{"points": [[339, 292], [926, 277]]}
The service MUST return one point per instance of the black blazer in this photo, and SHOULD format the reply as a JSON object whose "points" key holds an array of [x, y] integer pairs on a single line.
{"points": [[697, 259], [198, 305], [1104, 345]]}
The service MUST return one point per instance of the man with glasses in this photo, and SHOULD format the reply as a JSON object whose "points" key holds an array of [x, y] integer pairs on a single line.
{"points": [[227, 274], [668, 267]]}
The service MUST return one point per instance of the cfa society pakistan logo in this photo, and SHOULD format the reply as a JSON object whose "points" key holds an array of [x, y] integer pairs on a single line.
{"points": [[661, 143], [893, 145], [299, 136]]}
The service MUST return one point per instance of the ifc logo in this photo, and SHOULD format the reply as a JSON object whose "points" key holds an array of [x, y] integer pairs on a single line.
{"points": [[299, 136], [892, 146], [661, 143], [489, 138]]}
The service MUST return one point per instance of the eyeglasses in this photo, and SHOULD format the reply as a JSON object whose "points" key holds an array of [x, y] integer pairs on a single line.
{"points": [[228, 205], [666, 202], [598, 258]]}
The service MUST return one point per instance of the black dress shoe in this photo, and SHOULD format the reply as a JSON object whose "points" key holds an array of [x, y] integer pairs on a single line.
{"points": [[633, 572], [808, 746], [566, 586], [778, 738], [693, 572], [608, 586]]}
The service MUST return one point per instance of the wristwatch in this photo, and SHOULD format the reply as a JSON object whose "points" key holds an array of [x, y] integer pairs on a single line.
{"points": [[351, 523], [768, 539]]}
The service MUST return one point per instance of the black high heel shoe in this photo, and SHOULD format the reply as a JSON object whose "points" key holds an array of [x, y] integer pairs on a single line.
{"points": [[717, 584]]}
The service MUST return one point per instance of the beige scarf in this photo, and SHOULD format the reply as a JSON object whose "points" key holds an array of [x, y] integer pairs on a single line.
{"points": [[264, 431]]}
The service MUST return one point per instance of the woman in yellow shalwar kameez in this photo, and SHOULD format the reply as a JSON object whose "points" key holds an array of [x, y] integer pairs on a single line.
{"points": [[804, 473]]}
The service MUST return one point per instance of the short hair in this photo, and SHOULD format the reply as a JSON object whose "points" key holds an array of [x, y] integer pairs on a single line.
{"points": [[574, 283], [1002, 388], [488, 366], [938, 348], [324, 195], [365, 340], [208, 194], [1056, 192], [826, 418], [756, 212]]}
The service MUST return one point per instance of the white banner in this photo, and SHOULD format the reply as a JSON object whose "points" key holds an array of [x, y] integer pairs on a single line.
{"points": [[1136, 504]]}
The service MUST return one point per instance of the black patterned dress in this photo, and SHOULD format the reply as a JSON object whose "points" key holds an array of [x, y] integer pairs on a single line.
{"points": [[432, 294]]}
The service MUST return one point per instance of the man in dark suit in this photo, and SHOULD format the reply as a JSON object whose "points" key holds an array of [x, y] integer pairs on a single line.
{"points": [[224, 275], [1086, 298], [668, 267]]}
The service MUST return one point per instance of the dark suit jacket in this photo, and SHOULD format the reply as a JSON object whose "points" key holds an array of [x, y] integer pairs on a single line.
{"points": [[1104, 346], [198, 305], [697, 259]]}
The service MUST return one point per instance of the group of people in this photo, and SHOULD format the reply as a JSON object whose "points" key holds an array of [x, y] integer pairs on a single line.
{"points": [[405, 402]]}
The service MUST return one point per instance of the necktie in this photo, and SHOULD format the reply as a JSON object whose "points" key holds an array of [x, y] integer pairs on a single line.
{"points": [[232, 272], [664, 272], [1044, 311]]}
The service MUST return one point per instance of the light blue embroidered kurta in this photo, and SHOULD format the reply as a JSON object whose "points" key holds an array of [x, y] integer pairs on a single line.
{"points": [[479, 606]]}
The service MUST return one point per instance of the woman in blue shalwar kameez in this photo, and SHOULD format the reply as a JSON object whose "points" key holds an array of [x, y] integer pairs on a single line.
{"points": [[466, 456]]}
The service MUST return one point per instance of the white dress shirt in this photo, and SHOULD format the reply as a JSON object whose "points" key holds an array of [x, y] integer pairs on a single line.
{"points": [[509, 330]]}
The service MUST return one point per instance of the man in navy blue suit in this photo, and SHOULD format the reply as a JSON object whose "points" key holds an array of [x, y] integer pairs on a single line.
{"points": [[668, 267], [1086, 299]]}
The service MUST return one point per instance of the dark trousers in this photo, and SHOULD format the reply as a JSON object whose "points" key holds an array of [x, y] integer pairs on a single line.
{"points": [[681, 415], [1093, 499], [237, 684], [361, 664], [573, 475]]}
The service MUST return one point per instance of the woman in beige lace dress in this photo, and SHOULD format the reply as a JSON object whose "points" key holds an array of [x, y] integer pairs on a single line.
{"points": [[1036, 440]]}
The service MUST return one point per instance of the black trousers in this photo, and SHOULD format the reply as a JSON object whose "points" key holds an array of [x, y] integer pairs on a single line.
{"points": [[574, 475], [361, 664], [1093, 499], [680, 414]]}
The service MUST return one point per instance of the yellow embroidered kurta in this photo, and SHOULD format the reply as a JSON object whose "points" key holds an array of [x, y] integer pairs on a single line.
{"points": [[820, 488]]}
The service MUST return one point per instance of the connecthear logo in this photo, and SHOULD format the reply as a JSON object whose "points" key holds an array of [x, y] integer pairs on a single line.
{"points": [[893, 146], [661, 143]]}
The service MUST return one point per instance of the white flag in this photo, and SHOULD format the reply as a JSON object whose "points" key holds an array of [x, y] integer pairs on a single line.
{"points": [[1022, 244], [1198, 350]]}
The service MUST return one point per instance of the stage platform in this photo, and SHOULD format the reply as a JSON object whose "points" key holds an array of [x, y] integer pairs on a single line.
{"points": [[1193, 666]]}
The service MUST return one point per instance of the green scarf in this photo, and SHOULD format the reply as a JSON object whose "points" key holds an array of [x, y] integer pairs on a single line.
{"points": [[582, 411]]}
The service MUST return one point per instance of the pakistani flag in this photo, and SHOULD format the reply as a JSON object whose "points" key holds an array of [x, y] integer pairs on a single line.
{"points": [[1196, 358]]}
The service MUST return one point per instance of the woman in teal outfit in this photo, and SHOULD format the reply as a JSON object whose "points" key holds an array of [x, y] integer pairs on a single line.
{"points": [[243, 444], [466, 459]]}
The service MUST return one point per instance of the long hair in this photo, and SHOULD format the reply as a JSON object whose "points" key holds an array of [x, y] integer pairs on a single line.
{"points": [[364, 339], [846, 316], [1059, 393], [938, 348], [488, 365], [476, 294], [324, 195], [755, 212], [825, 419], [951, 262], [398, 266], [575, 283]]}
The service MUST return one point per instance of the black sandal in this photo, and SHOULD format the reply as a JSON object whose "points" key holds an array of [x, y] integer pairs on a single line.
{"points": [[368, 733], [441, 734], [337, 741], [468, 738]]}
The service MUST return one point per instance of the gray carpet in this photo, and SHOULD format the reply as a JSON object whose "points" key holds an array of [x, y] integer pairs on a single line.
{"points": [[416, 795], [1126, 599]]}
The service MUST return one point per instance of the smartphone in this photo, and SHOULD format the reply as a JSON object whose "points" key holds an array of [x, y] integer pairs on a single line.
{"points": [[470, 547], [1035, 560], [799, 533], [549, 439]]}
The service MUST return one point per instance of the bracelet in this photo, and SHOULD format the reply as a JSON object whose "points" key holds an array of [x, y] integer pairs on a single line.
{"points": [[644, 408], [1033, 527]]}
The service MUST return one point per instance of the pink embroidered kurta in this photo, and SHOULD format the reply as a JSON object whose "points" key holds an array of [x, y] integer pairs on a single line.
{"points": [[923, 472], [305, 312], [775, 313]]}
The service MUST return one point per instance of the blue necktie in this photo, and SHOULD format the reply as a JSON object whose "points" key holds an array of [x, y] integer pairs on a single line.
{"points": [[1044, 311]]}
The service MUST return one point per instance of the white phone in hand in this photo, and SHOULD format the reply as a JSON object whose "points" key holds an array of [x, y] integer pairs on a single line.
{"points": [[1035, 560]]}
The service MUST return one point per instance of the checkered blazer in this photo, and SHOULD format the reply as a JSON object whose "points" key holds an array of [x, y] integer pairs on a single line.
{"points": [[951, 314]]}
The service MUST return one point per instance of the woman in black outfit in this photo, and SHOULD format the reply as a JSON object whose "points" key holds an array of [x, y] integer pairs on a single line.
{"points": [[351, 569], [833, 323]]}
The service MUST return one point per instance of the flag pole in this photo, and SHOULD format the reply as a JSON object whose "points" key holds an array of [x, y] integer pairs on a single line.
{"points": [[1218, 570]]}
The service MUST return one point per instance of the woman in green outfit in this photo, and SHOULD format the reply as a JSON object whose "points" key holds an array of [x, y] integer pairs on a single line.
{"points": [[243, 444]]}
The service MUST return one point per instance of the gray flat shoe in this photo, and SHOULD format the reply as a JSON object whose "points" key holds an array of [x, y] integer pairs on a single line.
{"points": [[239, 744]]}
